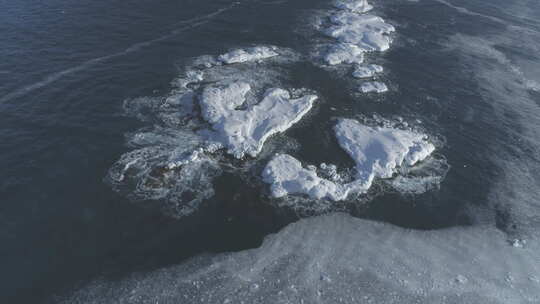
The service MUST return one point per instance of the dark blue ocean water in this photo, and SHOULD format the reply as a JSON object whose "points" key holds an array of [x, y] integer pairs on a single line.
{"points": [[469, 70]]}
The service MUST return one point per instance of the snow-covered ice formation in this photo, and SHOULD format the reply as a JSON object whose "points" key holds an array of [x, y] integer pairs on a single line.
{"points": [[377, 151], [215, 105], [368, 32], [355, 32], [373, 87], [341, 259], [248, 54], [286, 175], [245, 131], [357, 6], [344, 53], [367, 70]]}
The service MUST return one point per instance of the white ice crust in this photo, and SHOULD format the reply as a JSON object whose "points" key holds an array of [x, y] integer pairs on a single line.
{"points": [[358, 6], [368, 32], [377, 152], [373, 86], [344, 53], [367, 71], [340, 259], [244, 131], [248, 54], [287, 176]]}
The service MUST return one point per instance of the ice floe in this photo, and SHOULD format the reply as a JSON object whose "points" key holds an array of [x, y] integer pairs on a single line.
{"points": [[373, 87], [377, 151]]}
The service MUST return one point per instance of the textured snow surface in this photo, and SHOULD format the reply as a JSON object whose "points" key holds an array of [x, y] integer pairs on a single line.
{"points": [[344, 53], [377, 152], [367, 70], [358, 6], [373, 87], [287, 176], [248, 54], [245, 131], [355, 33], [340, 259], [368, 32]]}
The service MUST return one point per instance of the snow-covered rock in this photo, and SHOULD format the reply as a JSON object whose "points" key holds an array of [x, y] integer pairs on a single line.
{"points": [[368, 32], [373, 87], [366, 71], [344, 53], [244, 131], [377, 152], [248, 54], [286, 176], [358, 6]]}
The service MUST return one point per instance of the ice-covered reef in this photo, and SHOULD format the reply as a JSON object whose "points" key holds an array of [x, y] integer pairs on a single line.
{"points": [[356, 32], [341, 259], [225, 102], [377, 151]]}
